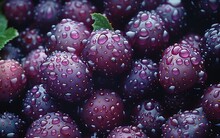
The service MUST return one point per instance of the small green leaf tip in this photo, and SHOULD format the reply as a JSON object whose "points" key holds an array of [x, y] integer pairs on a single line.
{"points": [[6, 34], [100, 21]]}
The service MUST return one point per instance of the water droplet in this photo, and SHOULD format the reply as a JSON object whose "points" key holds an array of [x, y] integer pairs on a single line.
{"points": [[184, 53], [175, 71], [176, 50], [67, 28], [93, 50], [14, 81], [143, 74], [217, 47], [149, 106], [172, 88], [136, 23], [51, 66], [79, 74], [43, 123], [186, 62], [116, 37], [100, 118], [175, 15], [148, 24], [216, 94], [110, 46], [113, 59], [75, 58], [144, 32], [112, 108], [13, 68], [130, 34], [169, 60], [64, 35], [66, 130], [190, 120], [65, 62], [166, 36], [174, 122], [34, 89], [10, 135], [102, 39], [126, 130], [74, 34], [55, 121], [115, 52], [69, 71], [71, 49], [53, 38], [45, 98], [64, 75], [144, 17], [53, 76], [37, 94], [179, 61], [194, 60], [53, 132]]}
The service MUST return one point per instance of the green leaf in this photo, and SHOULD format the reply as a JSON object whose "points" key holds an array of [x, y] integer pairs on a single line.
{"points": [[100, 22], [3, 23], [7, 35]]}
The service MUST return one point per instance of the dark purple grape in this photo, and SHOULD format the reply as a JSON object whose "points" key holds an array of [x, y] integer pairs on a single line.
{"points": [[191, 124], [66, 77], [11, 125], [54, 124], [19, 12], [80, 11], [103, 111], [38, 102], [46, 14]]}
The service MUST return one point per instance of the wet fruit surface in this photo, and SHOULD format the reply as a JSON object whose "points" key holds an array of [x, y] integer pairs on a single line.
{"points": [[149, 116], [181, 68], [126, 131], [46, 14], [174, 16], [147, 32], [103, 111], [31, 64], [141, 80], [109, 68], [187, 124], [108, 52], [12, 79], [30, 39], [68, 36], [54, 124], [211, 104], [11, 126], [38, 102], [79, 11], [66, 76], [24, 15]]}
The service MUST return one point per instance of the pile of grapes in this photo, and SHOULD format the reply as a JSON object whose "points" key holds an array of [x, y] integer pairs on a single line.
{"points": [[110, 68]]}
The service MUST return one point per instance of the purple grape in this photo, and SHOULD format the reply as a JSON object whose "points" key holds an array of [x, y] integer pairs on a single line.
{"points": [[38, 102], [54, 124], [68, 35], [103, 111], [66, 77], [80, 11]]}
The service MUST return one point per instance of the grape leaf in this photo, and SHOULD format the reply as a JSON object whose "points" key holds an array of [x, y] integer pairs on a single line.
{"points": [[7, 35], [100, 21], [3, 23]]}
